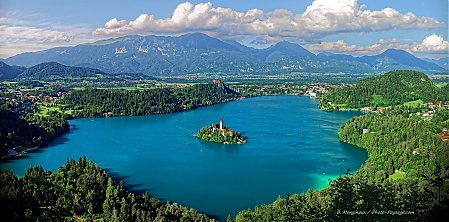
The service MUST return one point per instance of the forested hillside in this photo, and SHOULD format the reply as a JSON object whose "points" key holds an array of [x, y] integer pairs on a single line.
{"points": [[398, 143], [392, 88], [9, 72], [348, 199], [29, 131], [115, 102], [55, 71], [81, 191]]}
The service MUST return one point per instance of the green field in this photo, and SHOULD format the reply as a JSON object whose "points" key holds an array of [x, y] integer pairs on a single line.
{"points": [[440, 85], [397, 175], [415, 103], [43, 110], [341, 105]]}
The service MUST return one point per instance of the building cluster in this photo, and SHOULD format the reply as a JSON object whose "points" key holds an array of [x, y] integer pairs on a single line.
{"points": [[221, 128], [371, 109], [433, 108], [436, 105], [219, 83], [311, 89], [22, 101], [444, 135]]}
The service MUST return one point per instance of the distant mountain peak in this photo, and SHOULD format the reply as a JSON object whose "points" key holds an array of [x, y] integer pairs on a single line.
{"points": [[395, 52], [195, 34], [283, 43], [406, 58], [284, 49]]}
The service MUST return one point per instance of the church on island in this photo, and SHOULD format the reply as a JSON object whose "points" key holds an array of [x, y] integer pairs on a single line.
{"points": [[221, 134], [221, 128]]}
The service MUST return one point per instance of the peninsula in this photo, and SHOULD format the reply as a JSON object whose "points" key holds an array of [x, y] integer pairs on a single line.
{"points": [[221, 134]]}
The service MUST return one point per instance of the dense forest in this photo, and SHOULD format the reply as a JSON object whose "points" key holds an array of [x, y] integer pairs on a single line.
{"points": [[397, 143], [116, 102], [348, 199], [29, 130], [53, 71], [81, 191], [392, 88]]}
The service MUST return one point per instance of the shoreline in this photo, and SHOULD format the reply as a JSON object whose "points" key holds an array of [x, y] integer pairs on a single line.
{"points": [[13, 153]]}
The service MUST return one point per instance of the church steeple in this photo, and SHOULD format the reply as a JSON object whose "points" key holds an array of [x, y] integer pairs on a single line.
{"points": [[221, 123]]}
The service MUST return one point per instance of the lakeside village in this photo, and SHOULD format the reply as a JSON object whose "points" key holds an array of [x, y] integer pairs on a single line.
{"points": [[220, 133], [46, 97], [430, 110], [309, 89]]}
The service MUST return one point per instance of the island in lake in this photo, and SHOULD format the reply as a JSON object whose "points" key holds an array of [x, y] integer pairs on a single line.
{"points": [[221, 134]]}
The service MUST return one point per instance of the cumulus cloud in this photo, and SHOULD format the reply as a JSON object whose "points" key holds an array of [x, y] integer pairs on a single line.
{"points": [[186, 17], [321, 18], [432, 46]]}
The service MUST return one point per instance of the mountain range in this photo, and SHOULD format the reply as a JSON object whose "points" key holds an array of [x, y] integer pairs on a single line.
{"points": [[200, 53]]}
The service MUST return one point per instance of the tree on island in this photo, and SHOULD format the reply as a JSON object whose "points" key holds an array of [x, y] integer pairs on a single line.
{"points": [[221, 134]]}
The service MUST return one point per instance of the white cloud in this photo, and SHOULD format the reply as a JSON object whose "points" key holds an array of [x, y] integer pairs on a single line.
{"points": [[186, 17], [322, 17], [17, 36], [342, 47], [432, 46]]}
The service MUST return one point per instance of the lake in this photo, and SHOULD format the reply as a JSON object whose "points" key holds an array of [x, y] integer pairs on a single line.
{"points": [[292, 147]]}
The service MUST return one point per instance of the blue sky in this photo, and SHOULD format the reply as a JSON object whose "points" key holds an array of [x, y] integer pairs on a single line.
{"points": [[35, 25]]}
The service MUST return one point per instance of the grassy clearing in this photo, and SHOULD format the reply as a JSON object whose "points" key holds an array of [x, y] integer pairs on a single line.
{"points": [[44, 110], [342, 105], [440, 85], [397, 175], [416, 103]]}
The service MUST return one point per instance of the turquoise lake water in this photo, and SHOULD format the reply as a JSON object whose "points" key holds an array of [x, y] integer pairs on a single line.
{"points": [[292, 147]]}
